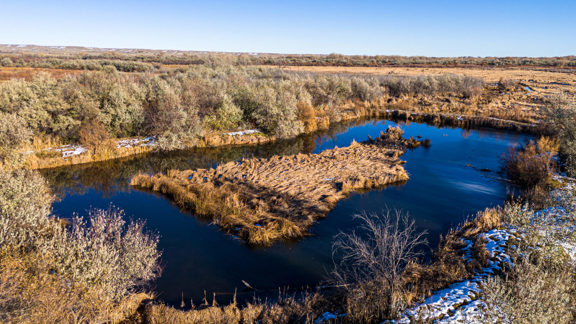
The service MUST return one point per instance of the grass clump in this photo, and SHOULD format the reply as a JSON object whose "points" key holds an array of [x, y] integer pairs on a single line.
{"points": [[301, 308], [531, 167]]}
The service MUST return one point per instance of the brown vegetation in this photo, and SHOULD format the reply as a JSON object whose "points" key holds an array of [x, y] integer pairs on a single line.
{"points": [[280, 198], [531, 167], [303, 308], [371, 264]]}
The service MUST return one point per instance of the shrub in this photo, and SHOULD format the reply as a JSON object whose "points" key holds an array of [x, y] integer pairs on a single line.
{"points": [[371, 264], [226, 117], [14, 133], [175, 124], [275, 110], [365, 89], [105, 252], [430, 85], [6, 61], [24, 210], [562, 119], [91, 271], [307, 115], [531, 165]]}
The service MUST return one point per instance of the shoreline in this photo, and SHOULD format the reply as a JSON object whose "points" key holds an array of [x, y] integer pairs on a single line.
{"points": [[216, 140]]}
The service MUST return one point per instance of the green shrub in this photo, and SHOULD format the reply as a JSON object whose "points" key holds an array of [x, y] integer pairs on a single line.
{"points": [[25, 204], [105, 252], [13, 134], [226, 117], [85, 268], [562, 121]]}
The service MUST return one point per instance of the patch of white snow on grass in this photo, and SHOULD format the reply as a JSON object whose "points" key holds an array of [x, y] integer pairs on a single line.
{"points": [[459, 302], [244, 132], [132, 142]]}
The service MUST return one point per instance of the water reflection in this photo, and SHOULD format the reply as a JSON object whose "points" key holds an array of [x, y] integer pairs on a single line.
{"points": [[449, 181]]}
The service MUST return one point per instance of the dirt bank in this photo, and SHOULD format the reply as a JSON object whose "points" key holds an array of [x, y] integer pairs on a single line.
{"points": [[265, 200]]}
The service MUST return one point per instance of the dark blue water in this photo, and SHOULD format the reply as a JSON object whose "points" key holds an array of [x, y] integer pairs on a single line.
{"points": [[454, 178]]}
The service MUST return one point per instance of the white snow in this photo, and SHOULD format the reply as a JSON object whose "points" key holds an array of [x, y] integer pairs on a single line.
{"points": [[69, 150], [459, 302], [244, 132], [132, 142]]}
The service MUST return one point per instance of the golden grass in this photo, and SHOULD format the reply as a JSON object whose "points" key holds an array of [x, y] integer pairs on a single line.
{"points": [[304, 309], [263, 201], [43, 159]]}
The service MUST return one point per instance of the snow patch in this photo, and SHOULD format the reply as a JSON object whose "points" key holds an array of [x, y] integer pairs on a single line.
{"points": [[459, 302], [69, 150], [244, 132], [132, 142]]}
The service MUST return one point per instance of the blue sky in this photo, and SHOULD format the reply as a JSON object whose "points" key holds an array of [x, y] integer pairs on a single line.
{"points": [[431, 28]]}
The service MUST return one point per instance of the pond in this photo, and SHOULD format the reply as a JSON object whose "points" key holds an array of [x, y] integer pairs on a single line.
{"points": [[457, 176]]}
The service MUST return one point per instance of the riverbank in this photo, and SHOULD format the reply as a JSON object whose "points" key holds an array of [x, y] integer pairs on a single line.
{"points": [[265, 200], [76, 154]]}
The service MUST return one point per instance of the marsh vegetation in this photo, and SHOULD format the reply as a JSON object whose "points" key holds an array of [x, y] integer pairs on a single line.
{"points": [[99, 266]]}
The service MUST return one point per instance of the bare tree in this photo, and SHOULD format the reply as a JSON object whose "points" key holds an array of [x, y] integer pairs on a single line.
{"points": [[371, 262]]}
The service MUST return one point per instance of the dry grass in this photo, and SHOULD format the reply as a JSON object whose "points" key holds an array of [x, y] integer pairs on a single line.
{"points": [[291, 309], [532, 292], [541, 285], [531, 167], [47, 159], [492, 75], [31, 293], [448, 265], [514, 102], [263, 201]]}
